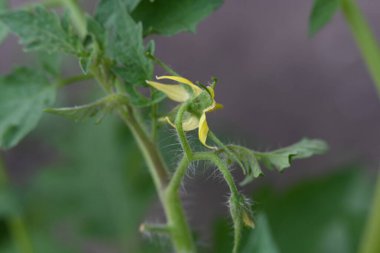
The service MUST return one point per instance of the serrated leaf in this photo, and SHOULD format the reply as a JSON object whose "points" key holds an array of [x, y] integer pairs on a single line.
{"points": [[168, 17], [105, 9], [126, 46], [3, 28], [24, 94], [280, 159], [321, 13], [97, 109], [41, 29]]}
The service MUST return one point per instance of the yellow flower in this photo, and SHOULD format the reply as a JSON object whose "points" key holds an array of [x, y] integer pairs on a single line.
{"points": [[184, 91]]}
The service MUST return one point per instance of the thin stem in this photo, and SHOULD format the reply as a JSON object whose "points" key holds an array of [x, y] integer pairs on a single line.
{"points": [[162, 64], [74, 79], [15, 222], [235, 195], [181, 134], [158, 229], [209, 156], [179, 173], [370, 241], [154, 125], [364, 37], [225, 148], [77, 16]]}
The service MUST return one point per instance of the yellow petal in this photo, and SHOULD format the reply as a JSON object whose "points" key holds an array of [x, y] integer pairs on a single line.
{"points": [[203, 131], [175, 92], [190, 123], [183, 80]]}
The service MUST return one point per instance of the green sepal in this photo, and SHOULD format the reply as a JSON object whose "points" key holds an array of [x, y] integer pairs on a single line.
{"points": [[98, 109]]}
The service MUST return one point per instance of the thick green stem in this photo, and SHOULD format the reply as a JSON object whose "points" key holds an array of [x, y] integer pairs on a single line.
{"points": [[179, 229], [149, 150], [15, 222], [370, 241], [364, 37]]}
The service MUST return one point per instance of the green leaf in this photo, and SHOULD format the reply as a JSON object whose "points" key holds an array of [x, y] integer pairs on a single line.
{"points": [[3, 28], [168, 17], [41, 29], [325, 214], [98, 109], [126, 46], [24, 94], [100, 187], [105, 9], [8, 203], [260, 239], [93, 45], [280, 159], [321, 13]]}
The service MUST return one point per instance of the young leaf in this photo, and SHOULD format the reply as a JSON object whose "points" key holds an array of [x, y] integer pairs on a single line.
{"points": [[168, 17], [41, 29], [3, 28], [126, 46], [321, 13], [279, 159], [282, 158], [97, 109], [105, 9], [24, 94]]}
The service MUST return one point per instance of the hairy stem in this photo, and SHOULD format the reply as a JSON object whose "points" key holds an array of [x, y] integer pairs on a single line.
{"points": [[179, 229], [234, 199], [364, 37], [181, 134], [370, 241], [15, 222]]}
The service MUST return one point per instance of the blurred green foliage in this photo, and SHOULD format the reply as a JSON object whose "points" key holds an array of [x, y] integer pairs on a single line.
{"points": [[320, 215]]}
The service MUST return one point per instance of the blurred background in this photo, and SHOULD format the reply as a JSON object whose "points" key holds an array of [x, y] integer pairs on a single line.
{"points": [[277, 86]]}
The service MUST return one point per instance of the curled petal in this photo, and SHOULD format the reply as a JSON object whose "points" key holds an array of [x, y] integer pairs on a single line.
{"points": [[182, 80], [189, 124], [175, 92], [203, 131]]}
